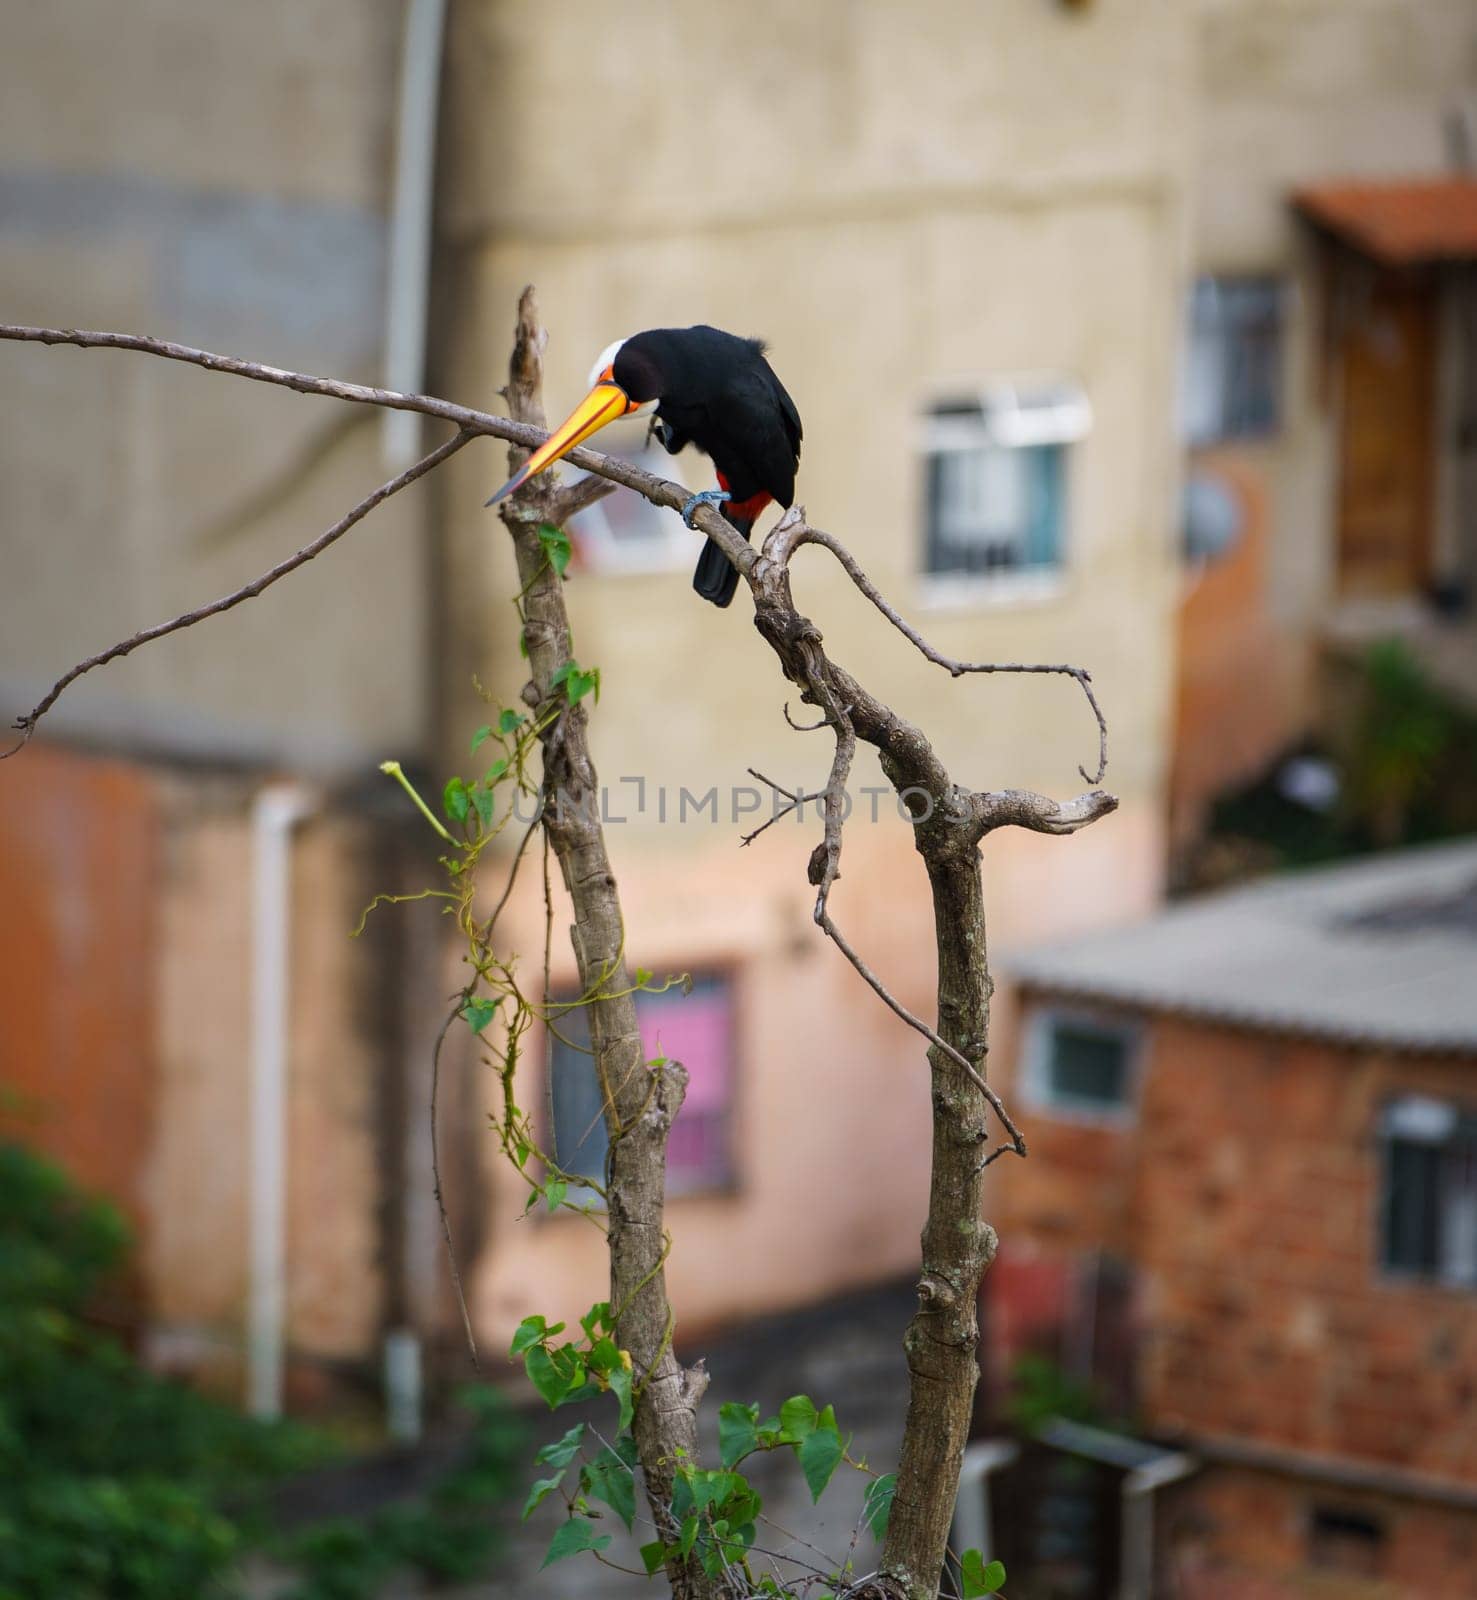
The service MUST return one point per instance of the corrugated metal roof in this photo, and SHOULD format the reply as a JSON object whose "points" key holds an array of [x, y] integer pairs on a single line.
{"points": [[1382, 951], [1400, 224]]}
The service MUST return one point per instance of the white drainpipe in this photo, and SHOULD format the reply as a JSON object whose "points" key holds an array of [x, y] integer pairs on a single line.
{"points": [[275, 811], [410, 224]]}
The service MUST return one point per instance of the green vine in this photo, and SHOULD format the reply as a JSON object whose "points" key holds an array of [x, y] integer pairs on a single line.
{"points": [[714, 1515]]}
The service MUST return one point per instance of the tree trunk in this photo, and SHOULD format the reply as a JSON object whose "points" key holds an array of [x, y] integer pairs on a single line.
{"points": [[639, 1102]]}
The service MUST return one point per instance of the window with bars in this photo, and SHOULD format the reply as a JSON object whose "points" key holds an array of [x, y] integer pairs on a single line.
{"points": [[1232, 384], [996, 479], [695, 1028], [1080, 1064], [1429, 1191]]}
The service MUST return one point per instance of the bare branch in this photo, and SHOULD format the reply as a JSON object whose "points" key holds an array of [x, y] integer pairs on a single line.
{"points": [[27, 723], [795, 801], [803, 727], [524, 435], [1017, 1144], [1019, 808]]}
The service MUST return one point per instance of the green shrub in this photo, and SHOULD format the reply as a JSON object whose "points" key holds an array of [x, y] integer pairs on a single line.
{"points": [[118, 1485]]}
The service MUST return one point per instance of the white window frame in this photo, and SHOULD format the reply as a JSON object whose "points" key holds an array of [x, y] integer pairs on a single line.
{"points": [[1036, 1056], [1422, 1119], [1015, 412]]}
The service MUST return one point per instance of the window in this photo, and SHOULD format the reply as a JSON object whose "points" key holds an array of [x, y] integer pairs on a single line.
{"points": [[1233, 363], [996, 477], [1429, 1200], [1080, 1064], [695, 1029], [1345, 1541], [624, 532]]}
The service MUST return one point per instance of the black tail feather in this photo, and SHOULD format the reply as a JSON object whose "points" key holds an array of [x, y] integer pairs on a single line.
{"points": [[716, 578]]}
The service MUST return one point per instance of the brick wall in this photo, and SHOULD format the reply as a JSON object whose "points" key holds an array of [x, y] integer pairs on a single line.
{"points": [[1234, 1533]]}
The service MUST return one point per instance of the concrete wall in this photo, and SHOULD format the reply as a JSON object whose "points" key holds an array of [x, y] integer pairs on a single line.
{"points": [[217, 175], [901, 199]]}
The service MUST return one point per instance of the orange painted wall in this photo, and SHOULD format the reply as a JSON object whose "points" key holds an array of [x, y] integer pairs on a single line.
{"points": [[1242, 685], [79, 849]]}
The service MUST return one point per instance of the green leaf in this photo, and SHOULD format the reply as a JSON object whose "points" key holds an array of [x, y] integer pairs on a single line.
{"points": [[486, 803], [577, 681], [478, 1012], [554, 1192], [598, 1316], [575, 1536], [483, 733], [556, 546], [455, 800], [562, 1450], [642, 977], [495, 771], [738, 1432], [510, 719], [620, 1387], [608, 1478], [877, 1503], [531, 1331], [798, 1418], [579, 684], [554, 1374], [654, 1557], [978, 1578], [605, 1355], [536, 1495], [820, 1454], [689, 1537]]}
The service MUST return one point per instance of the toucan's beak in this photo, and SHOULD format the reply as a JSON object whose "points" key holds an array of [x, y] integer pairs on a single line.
{"points": [[604, 403]]}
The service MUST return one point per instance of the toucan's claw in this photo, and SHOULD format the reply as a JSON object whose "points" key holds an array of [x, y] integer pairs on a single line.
{"points": [[709, 497]]}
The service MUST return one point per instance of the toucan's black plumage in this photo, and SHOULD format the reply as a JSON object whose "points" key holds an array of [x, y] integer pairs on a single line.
{"points": [[717, 391], [710, 389]]}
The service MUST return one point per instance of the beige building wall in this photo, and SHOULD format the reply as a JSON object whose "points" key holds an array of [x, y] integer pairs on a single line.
{"points": [[905, 201], [217, 175]]}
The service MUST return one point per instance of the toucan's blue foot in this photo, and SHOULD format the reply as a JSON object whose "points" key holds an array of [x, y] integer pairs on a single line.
{"points": [[709, 497]]}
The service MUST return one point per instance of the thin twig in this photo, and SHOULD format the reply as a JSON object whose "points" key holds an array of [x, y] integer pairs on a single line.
{"points": [[548, 986], [957, 669], [803, 727], [1017, 1143], [27, 723], [795, 802], [456, 1277], [497, 910]]}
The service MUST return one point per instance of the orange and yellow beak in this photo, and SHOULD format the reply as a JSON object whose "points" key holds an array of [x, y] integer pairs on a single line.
{"points": [[604, 403]]}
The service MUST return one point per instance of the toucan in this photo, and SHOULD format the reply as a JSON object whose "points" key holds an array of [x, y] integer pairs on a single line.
{"points": [[704, 387]]}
